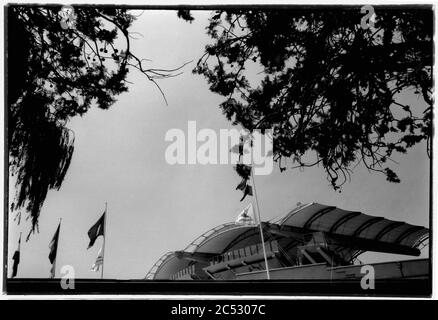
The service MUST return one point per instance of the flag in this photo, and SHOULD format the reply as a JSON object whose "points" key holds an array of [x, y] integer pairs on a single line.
{"points": [[99, 261], [241, 145], [54, 245], [96, 230], [242, 184], [246, 217], [16, 258], [53, 250], [248, 191]]}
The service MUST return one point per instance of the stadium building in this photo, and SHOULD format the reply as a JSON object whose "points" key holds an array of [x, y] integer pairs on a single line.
{"points": [[311, 242]]}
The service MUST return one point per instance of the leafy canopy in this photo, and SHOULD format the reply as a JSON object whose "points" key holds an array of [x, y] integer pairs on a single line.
{"points": [[56, 71], [332, 91]]}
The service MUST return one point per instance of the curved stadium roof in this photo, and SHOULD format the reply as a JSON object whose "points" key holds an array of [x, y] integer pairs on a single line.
{"points": [[314, 217]]}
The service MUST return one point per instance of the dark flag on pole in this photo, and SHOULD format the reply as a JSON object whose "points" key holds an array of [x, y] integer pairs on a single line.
{"points": [[242, 184], [96, 230], [16, 258], [54, 245], [247, 191], [53, 250]]}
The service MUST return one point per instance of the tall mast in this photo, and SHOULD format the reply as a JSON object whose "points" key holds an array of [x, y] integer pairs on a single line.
{"points": [[260, 227], [258, 214], [104, 238]]}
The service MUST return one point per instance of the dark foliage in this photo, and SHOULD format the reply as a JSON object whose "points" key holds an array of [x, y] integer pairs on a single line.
{"points": [[185, 14], [331, 91], [55, 72]]}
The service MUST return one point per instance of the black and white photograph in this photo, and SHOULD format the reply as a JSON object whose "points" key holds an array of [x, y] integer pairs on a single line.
{"points": [[236, 149]]}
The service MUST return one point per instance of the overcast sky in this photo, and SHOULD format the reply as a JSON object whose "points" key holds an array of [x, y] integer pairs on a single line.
{"points": [[154, 207]]}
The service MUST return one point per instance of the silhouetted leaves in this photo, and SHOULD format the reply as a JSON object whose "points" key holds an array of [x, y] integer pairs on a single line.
{"points": [[185, 14], [56, 72], [331, 89], [243, 170]]}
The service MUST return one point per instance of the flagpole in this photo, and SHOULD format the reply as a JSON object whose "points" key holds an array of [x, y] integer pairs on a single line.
{"points": [[19, 244], [104, 239], [18, 249], [259, 217]]}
